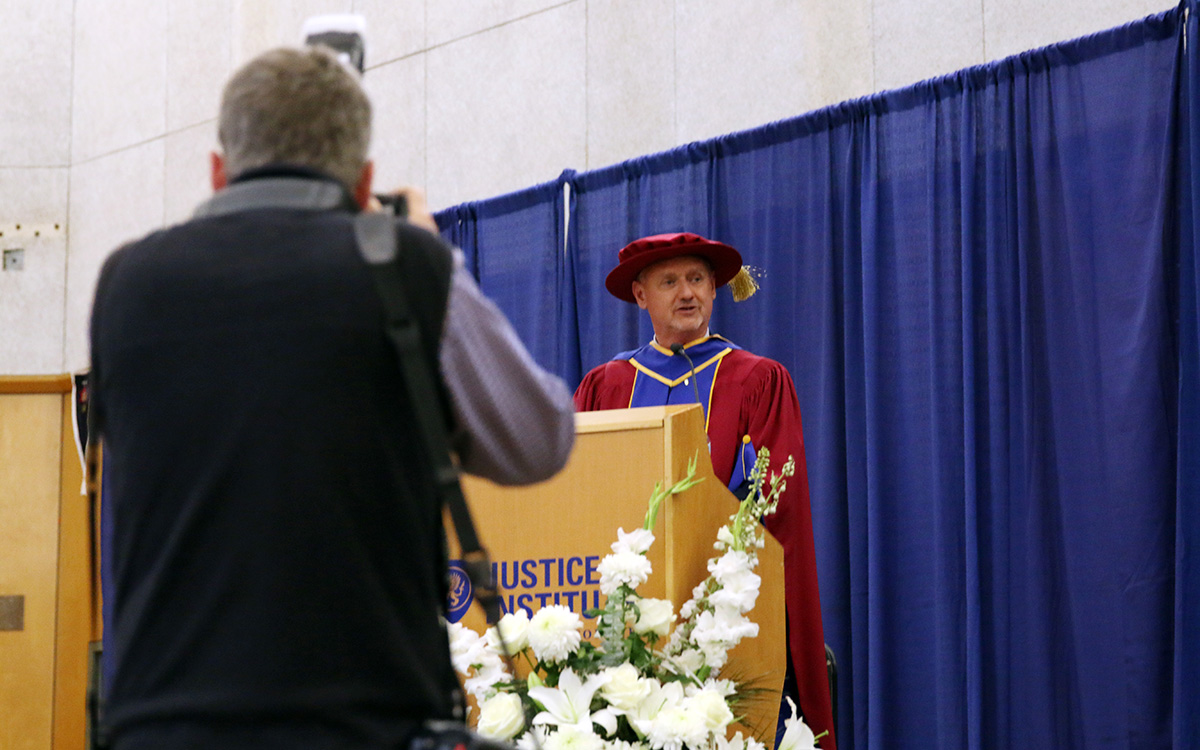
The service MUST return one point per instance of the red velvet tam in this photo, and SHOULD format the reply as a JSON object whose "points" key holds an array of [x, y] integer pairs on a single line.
{"points": [[639, 254]]}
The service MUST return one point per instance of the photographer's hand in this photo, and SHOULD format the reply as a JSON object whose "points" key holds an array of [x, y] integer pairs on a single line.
{"points": [[418, 212]]}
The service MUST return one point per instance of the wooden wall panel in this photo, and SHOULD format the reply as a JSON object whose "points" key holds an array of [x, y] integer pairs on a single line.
{"points": [[30, 469]]}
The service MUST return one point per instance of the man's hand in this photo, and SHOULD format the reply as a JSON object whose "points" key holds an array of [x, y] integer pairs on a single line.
{"points": [[418, 213]]}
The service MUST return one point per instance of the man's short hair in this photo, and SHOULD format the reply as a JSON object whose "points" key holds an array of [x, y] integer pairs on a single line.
{"points": [[296, 106]]}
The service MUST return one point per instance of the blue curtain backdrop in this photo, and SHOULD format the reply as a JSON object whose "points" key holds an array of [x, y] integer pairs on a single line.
{"points": [[514, 247], [985, 287]]}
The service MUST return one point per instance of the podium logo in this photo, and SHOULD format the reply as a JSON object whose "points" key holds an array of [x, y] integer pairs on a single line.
{"points": [[573, 582], [461, 592]]}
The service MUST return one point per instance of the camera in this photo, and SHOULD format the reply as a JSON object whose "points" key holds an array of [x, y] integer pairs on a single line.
{"points": [[345, 34]]}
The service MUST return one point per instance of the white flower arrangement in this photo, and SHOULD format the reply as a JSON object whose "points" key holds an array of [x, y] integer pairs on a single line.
{"points": [[623, 694]]}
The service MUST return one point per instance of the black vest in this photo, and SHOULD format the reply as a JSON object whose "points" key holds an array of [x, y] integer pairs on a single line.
{"points": [[276, 555]]}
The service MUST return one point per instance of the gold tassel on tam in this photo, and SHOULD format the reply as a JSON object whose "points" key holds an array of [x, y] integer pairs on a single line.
{"points": [[745, 283]]}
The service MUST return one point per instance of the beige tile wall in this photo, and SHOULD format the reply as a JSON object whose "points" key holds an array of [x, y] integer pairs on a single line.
{"points": [[1013, 26], [114, 198], [107, 110], [506, 106], [31, 301], [630, 79], [397, 91], [35, 105], [119, 89], [35, 151], [900, 26], [781, 50], [187, 177], [396, 29], [199, 59]]}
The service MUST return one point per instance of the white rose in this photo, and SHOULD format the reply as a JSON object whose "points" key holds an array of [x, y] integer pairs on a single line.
{"points": [[501, 716], [622, 569], [654, 616], [515, 628], [637, 541], [711, 706], [554, 632], [623, 687]]}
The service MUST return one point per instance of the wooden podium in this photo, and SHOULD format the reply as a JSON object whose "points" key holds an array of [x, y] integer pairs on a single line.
{"points": [[546, 540]]}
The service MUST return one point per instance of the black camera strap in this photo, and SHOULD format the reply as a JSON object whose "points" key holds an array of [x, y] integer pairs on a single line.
{"points": [[377, 241]]}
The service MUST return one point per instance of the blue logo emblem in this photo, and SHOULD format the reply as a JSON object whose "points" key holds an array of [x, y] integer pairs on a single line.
{"points": [[461, 592]]}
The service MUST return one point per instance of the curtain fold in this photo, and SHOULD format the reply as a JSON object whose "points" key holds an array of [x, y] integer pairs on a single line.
{"points": [[1186, 663]]}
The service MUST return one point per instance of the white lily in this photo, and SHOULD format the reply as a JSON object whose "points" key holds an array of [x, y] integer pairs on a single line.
{"points": [[569, 704], [797, 735], [738, 742], [642, 717]]}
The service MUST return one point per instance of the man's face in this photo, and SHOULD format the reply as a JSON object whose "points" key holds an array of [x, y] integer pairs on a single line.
{"points": [[678, 293]]}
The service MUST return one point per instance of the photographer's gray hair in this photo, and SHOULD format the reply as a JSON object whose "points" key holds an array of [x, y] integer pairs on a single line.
{"points": [[296, 106]]}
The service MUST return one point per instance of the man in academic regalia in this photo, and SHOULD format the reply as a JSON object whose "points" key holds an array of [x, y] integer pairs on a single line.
{"points": [[749, 402]]}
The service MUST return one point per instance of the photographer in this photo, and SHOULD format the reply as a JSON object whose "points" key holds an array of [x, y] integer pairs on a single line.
{"points": [[277, 554]]}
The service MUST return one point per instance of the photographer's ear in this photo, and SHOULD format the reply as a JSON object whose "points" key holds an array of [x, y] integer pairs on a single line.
{"points": [[362, 191], [219, 178]]}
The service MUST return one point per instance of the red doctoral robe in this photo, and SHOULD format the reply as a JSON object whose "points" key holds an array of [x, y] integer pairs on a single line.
{"points": [[755, 396]]}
